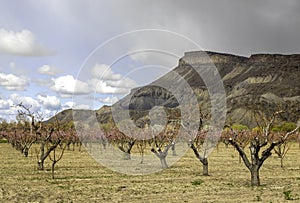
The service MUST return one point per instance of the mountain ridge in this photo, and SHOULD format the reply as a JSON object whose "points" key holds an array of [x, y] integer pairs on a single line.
{"points": [[258, 84]]}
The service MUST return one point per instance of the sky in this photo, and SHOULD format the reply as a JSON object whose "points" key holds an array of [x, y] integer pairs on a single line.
{"points": [[56, 55]]}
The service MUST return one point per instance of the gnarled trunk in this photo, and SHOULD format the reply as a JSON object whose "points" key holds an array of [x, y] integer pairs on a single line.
{"points": [[127, 156], [41, 158], [205, 167], [44, 155], [52, 168], [202, 159], [162, 155], [163, 162], [173, 150], [127, 151], [255, 181], [281, 162], [40, 165]]}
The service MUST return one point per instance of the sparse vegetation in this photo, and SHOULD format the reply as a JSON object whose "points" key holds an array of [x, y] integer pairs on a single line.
{"points": [[197, 182], [288, 195], [49, 142], [79, 178], [258, 198], [3, 141]]}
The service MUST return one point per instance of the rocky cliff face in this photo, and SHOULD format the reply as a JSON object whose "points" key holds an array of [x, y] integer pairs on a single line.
{"points": [[255, 87]]}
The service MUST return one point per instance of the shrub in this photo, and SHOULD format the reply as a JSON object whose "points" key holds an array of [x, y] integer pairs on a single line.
{"points": [[284, 127], [288, 195], [239, 127], [3, 141], [197, 182]]}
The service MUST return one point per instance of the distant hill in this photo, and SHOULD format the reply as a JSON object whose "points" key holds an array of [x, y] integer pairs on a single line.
{"points": [[67, 115], [255, 87]]}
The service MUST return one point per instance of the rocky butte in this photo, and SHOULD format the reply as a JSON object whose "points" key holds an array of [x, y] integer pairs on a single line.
{"points": [[255, 86]]}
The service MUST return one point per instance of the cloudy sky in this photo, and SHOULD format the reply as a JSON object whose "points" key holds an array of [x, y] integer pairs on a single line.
{"points": [[49, 50]]}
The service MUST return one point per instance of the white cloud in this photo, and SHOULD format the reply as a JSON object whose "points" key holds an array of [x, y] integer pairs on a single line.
{"points": [[29, 102], [48, 70], [66, 86], [67, 105], [46, 105], [8, 114], [74, 105], [6, 111], [103, 87], [126, 83], [104, 72], [5, 104], [13, 82], [21, 43], [49, 102], [109, 100], [106, 81]]}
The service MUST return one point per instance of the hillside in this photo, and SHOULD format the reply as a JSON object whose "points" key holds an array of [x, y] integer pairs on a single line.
{"points": [[255, 86]]}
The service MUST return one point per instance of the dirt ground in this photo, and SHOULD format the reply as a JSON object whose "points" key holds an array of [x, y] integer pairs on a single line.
{"points": [[81, 179]]}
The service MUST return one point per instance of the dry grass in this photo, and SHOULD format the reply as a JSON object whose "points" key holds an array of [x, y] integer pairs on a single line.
{"points": [[80, 179]]}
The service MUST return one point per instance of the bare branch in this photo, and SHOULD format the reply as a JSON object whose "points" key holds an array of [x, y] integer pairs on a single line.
{"points": [[291, 132], [241, 152], [267, 130]]}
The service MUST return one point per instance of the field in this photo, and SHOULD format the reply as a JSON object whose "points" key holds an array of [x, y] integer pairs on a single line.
{"points": [[81, 179]]}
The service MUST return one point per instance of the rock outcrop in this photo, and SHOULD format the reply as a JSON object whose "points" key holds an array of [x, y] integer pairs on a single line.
{"points": [[255, 86]]}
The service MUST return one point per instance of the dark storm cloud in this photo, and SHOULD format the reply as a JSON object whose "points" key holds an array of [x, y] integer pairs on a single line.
{"points": [[235, 26], [241, 27]]}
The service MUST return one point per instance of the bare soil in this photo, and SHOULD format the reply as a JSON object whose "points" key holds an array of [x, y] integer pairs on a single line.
{"points": [[79, 178]]}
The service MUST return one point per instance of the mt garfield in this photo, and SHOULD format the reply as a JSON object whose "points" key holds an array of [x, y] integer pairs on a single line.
{"points": [[256, 87]]}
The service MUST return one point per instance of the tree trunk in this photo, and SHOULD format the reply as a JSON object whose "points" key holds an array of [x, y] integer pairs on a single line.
{"points": [[104, 144], [205, 166], [25, 151], [162, 155], [44, 155], [173, 150], [41, 159], [281, 162], [163, 162], [40, 165], [255, 176], [52, 169], [80, 144], [203, 160], [127, 156], [127, 151]]}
